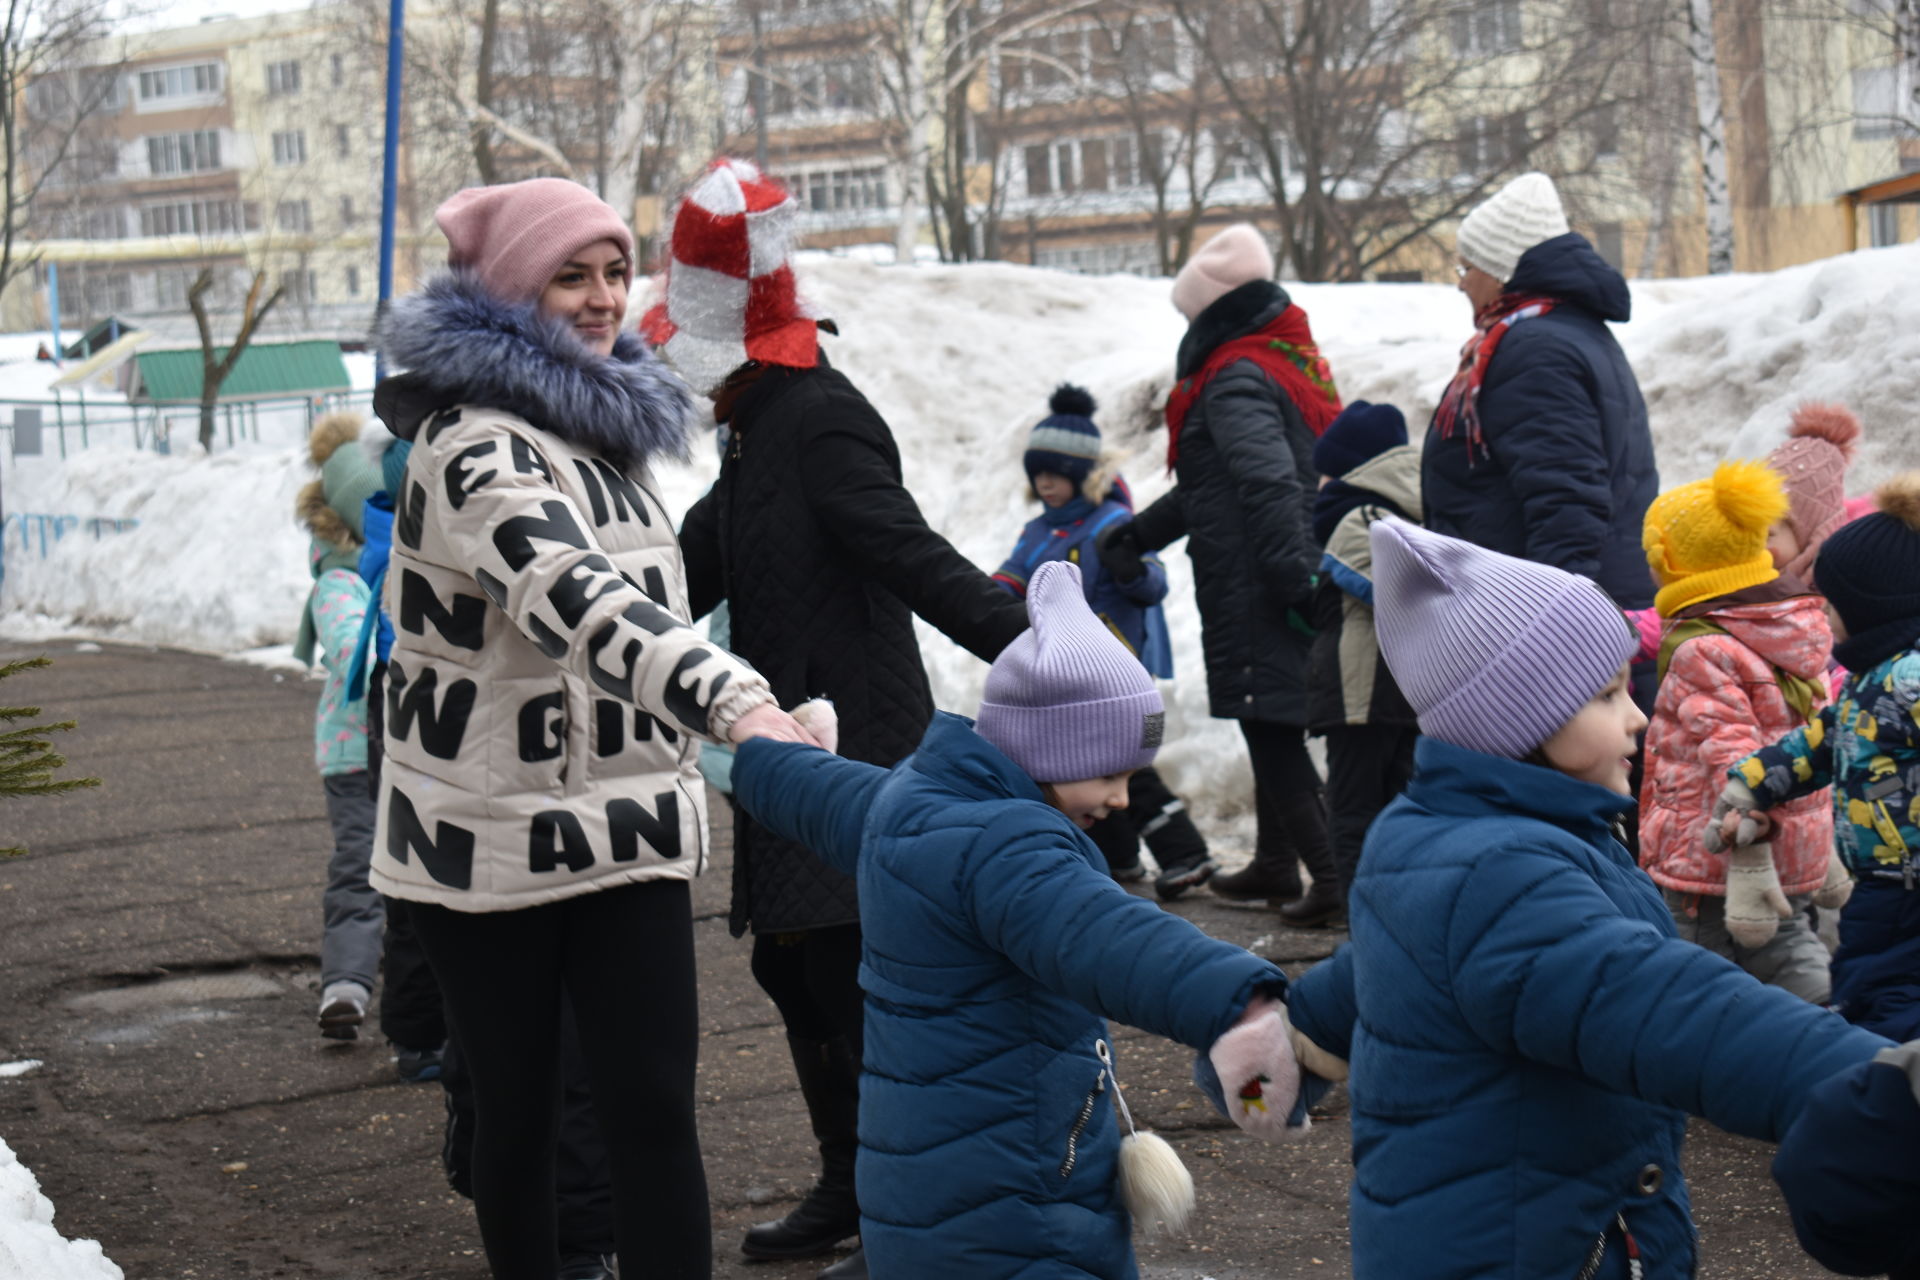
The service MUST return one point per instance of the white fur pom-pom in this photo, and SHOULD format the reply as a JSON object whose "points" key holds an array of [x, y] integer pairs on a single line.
{"points": [[1155, 1186]]}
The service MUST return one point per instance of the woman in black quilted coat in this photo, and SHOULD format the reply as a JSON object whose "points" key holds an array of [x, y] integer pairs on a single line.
{"points": [[824, 559], [1251, 396]]}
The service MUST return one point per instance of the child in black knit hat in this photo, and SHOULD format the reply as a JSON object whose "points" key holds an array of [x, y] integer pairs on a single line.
{"points": [[1083, 494], [1866, 746], [1368, 471]]}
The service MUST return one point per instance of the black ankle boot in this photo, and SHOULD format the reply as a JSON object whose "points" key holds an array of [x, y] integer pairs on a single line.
{"points": [[1322, 906], [830, 1083], [851, 1267]]}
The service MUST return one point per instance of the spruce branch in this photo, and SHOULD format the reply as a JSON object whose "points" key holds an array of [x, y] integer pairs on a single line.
{"points": [[28, 761]]}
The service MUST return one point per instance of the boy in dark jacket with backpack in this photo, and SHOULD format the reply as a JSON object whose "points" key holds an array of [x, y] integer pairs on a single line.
{"points": [[1368, 472]]}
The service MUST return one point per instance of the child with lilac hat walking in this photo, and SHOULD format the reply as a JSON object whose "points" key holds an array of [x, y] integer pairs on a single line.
{"points": [[995, 941], [1526, 1033]]}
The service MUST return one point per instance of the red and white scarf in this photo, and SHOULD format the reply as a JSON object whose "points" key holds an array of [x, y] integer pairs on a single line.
{"points": [[1460, 406]]}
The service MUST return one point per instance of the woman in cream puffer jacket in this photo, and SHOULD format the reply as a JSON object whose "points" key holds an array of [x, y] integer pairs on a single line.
{"points": [[541, 806]]}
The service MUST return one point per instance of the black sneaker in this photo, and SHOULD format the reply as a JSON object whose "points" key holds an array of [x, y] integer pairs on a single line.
{"points": [[417, 1066], [1174, 881], [1133, 873], [587, 1266]]}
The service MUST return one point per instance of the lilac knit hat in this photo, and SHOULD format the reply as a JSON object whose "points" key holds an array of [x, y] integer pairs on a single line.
{"points": [[516, 236], [1494, 653], [1066, 701]]}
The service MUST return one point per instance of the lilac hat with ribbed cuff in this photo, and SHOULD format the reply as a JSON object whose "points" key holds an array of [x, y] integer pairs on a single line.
{"points": [[1067, 701], [1494, 653]]}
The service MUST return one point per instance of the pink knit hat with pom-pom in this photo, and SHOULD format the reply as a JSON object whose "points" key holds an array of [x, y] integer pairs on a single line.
{"points": [[1820, 446]]}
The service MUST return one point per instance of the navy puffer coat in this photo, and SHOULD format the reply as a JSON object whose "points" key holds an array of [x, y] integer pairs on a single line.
{"points": [[988, 1136], [1569, 469], [1527, 1035]]}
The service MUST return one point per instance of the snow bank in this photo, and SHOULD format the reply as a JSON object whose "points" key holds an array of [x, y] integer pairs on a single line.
{"points": [[30, 1248], [960, 361]]}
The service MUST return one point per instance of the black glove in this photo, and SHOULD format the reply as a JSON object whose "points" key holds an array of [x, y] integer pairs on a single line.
{"points": [[1119, 548]]}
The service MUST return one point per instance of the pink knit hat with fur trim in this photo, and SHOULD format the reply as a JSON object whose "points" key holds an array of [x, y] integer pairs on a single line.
{"points": [[518, 235], [1820, 445]]}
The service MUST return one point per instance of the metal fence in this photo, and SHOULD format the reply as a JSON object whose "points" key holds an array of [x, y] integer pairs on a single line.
{"points": [[57, 427]]}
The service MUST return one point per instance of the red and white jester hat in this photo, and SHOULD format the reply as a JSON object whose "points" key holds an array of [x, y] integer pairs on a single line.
{"points": [[729, 295]]}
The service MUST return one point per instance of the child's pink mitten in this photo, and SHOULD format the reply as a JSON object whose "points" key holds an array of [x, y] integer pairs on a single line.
{"points": [[1258, 1072]]}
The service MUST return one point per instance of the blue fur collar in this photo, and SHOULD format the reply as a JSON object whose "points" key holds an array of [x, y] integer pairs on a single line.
{"points": [[460, 345]]}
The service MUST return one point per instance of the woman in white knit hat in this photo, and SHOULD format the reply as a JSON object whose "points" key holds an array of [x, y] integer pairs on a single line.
{"points": [[1540, 447]]}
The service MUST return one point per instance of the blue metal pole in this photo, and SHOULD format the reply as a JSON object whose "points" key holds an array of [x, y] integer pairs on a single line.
{"points": [[53, 304], [390, 178]]}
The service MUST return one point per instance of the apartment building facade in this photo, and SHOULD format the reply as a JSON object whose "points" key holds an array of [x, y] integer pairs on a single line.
{"points": [[231, 146]]}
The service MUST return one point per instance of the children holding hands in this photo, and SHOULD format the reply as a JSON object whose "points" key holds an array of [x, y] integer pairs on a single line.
{"points": [[994, 943], [1866, 746], [1526, 1032]]}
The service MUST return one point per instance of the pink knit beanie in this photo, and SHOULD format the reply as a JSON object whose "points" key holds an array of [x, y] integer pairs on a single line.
{"points": [[1820, 446], [518, 235], [1235, 257]]}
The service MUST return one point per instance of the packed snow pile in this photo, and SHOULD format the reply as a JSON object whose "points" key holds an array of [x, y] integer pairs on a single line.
{"points": [[30, 1247], [960, 360]]}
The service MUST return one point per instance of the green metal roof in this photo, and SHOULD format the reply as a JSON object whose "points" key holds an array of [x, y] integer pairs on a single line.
{"points": [[264, 369]]}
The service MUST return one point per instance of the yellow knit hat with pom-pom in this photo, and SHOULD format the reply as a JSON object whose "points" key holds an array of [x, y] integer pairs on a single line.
{"points": [[1709, 538]]}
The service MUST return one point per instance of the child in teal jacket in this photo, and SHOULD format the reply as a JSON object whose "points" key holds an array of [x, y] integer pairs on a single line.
{"points": [[332, 508]]}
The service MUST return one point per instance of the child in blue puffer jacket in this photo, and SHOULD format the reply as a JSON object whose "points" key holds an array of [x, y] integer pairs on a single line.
{"points": [[1526, 1032], [993, 944], [1084, 496]]}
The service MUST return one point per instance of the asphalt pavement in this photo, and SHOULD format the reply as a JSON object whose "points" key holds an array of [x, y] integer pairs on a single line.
{"points": [[159, 952]]}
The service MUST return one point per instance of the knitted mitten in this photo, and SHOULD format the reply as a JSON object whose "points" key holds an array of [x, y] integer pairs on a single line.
{"points": [[1738, 797], [1837, 888], [1259, 1078], [1755, 905]]}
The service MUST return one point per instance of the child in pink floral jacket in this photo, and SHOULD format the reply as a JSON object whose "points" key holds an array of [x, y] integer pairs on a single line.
{"points": [[1743, 658]]}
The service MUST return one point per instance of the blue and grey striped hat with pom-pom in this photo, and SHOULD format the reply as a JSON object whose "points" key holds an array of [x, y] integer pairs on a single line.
{"points": [[1066, 442]]}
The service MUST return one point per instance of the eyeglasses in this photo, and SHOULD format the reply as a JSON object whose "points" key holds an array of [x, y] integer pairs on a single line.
{"points": [[1460, 270]]}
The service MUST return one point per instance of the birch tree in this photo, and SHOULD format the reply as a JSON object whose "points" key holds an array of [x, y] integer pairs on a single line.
{"points": [[1710, 128]]}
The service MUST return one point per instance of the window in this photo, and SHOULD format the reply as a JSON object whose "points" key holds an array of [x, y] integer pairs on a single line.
{"points": [[169, 84], [342, 141], [1234, 159], [339, 65], [170, 289], [189, 217], [1490, 144], [1609, 241], [840, 190], [1486, 26], [290, 147], [1876, 103], [293, 215], [1605, 127], [831, 85], [1138, 258], [302, 287], [1039, 171], [194, 152], [347, 212], [283, 78], [68, 95], [90, 222], [353, 282], [106, 292], [1883, 224]]}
